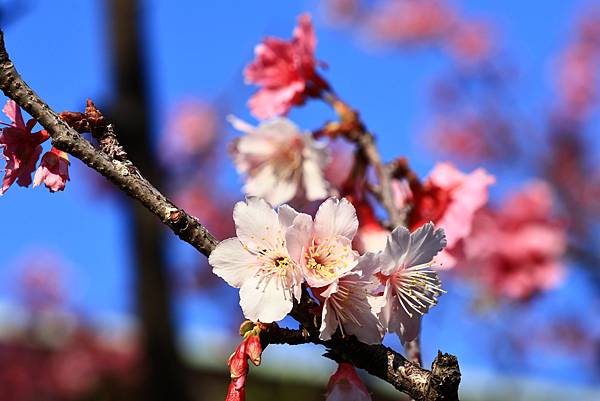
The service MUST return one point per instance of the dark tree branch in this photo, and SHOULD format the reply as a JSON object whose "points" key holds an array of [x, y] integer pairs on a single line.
{"points": [[441, 383], [67, 139]]}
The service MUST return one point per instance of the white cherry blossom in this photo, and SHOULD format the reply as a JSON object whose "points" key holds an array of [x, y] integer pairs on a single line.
{"points": [[279, 161], [347, 304], [411, 286], [257, 261]]}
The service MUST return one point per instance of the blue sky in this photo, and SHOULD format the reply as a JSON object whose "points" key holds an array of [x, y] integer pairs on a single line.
{"points": [[198, 49]]}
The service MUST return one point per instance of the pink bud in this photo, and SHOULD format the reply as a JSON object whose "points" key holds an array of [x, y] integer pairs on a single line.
{"points": [[254, 349], [235, 394], [345, 385]]}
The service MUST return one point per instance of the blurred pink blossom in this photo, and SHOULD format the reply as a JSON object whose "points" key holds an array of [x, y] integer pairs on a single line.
{"points": [[285, 71], [516, 250], [448, 198], [471, 42], [193, 130], [411, 21]]}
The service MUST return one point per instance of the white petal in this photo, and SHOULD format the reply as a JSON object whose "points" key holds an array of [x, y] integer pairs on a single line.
{"points": [[286, 214], [283, 190], [315, 185], [299, 236], [425, 243], [409, 327], [329, 323], [388, 306], [336, 217], [256, 224], [368, 264], [395, 250], [278, 128], [240, 125], [232, 262], [265, 301], [369, 331]]}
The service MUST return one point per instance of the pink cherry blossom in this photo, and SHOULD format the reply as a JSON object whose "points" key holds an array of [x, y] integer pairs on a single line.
{"points": [[279, 161], [285, 71], [348, 304], [257, 260], [21, 147], [53, 170], [323, 247], [346, 385], [449, 198], [516, 251], [411, 287]]}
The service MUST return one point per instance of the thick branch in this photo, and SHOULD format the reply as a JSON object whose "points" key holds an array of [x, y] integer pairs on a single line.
{"points": [[439, 384], [127, 179]]}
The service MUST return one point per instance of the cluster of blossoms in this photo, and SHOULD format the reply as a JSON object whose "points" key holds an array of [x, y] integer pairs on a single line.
{"points": [[276, 251], [515, 251], [22, 149]]}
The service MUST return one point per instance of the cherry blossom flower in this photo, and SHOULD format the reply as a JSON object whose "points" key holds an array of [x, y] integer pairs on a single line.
{"points": [[323, 247], [279, 160], [411, 286], [449, 198], [346, 385], [347, 304], [516, 251], [53, 170], [21, 147], [285, 71], [257, 260]]}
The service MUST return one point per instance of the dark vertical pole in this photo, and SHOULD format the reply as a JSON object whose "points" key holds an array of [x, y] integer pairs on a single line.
{"points": [[163, 371]]}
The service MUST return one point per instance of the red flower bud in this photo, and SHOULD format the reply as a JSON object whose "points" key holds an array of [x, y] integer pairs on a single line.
{"points": [[235, 394], [254, 349]]}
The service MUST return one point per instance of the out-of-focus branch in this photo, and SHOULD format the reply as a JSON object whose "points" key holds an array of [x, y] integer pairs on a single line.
{"points": [[441, 383], [365, 141]]}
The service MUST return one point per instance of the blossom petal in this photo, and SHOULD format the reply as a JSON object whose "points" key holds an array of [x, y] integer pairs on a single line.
{"points": [[315, 185], [264, 300], [396, 247], [425, 243], [336, 217], [286, 214], [256, 224], [329, 323], [232, 262], [298, 236]]}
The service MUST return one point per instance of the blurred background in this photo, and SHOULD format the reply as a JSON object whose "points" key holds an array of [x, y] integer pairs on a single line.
{"points": [[99, 302]]}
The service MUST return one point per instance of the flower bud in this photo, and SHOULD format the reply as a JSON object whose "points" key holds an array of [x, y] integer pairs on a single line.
{"points": [[254, 349], [346, 385], [235, 394]]}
